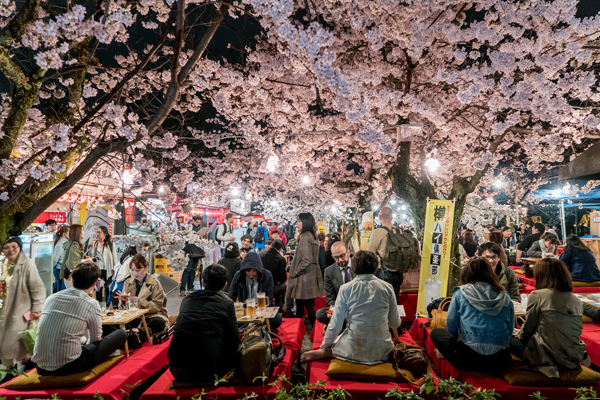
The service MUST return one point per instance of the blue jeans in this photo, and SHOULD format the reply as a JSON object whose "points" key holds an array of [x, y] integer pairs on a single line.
{"points": [[189, 275], [393, 278], [275, 322], [59, 284]]}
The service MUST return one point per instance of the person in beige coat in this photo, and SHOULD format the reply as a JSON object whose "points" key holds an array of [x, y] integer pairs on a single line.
{"points": [[550, 339], [305, 282], [21, 292], [149, 293]]}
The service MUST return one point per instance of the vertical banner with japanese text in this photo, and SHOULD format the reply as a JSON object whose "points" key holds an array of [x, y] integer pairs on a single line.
{"points": [[437, 251]]}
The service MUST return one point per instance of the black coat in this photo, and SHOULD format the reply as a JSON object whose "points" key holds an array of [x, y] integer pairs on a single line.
{"points": [[233, 265], [206, 330], [239, 289], [529, 241], [275, 263]]}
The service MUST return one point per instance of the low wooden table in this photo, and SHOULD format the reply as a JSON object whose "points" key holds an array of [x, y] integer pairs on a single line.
{"points": [[125, 318], [259, 320], [528, 267]]}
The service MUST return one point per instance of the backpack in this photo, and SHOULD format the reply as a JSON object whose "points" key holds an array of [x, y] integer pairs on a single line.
{"points": [[400, 251], [212, 235], [258, 355], [259, 236]]}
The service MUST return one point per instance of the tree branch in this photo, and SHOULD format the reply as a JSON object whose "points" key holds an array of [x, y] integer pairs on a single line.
{"points": [[11, 70], [16, 27]]}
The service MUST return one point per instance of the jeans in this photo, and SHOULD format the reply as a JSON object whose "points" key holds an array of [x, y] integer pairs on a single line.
{"points": [[59, 284], [517, 347], [465, 358], [275, 322], [91, 355], [279, 293], [189, 275], [393, 278]]}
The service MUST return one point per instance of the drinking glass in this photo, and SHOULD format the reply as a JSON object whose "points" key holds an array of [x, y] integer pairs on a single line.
{"points": [[261, 301], [250, 307], [133, 304], [239, 309], [103, 309]]}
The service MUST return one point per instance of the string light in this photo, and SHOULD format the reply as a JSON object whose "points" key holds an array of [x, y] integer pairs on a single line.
{"points": [[392, 202], [306, 179], [403, 207], [161, 189], [499, 183]]}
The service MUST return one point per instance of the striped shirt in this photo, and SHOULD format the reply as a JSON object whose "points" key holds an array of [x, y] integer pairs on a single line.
{"points": [[66, 316]]}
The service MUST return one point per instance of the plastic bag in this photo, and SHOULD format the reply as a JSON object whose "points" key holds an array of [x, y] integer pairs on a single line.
{"points": [[29, 335]]}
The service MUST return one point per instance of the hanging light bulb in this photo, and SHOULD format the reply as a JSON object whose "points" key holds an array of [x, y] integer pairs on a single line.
{"points": [[272, 163], [235, 191], [404, 216], [248, 196], [403, 207], [432, 164], [333, 209], [161, 189], [306, 179], [392, 202], [499, 183]]}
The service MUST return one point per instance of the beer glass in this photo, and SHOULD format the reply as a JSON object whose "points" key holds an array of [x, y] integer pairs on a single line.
{"points": [[261, 301], [239, 309], [250, 307]]}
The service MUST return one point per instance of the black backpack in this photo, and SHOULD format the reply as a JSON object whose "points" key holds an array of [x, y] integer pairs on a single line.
{"points": [[258, 357], [259, 236]]}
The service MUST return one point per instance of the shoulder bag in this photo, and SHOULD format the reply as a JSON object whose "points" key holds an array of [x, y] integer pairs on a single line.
{"points": [[438, 315]]}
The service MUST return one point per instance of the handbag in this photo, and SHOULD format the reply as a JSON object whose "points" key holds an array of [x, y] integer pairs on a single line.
{"points": [[438, 315], [411, 279], [133, 339], [195, 252], [410, 361], [28, 336]]}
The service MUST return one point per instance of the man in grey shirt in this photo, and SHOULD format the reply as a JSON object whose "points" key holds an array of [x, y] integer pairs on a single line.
{"points": [[66, 316]]}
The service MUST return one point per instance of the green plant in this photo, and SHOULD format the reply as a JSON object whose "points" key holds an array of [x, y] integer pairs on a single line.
{"points": [[537, 396], [584, 393]]}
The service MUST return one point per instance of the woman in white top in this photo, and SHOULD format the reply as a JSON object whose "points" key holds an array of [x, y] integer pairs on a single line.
{"points": [[369, 306], [62, 236], [104, 254]]}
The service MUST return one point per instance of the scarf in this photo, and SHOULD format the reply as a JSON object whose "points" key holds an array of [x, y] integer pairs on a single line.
{"points": [[252, 285], [543, 247]]}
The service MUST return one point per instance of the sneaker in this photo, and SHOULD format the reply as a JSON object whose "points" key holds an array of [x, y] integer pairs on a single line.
{"points": [[182, 293], [192, 290], [116, 353]]}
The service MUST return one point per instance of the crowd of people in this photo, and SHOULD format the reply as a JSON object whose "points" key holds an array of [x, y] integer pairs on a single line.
{"points": [[361, 290]]}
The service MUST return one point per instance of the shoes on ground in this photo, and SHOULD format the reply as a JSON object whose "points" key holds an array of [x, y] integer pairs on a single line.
{"points": [[182, 293], [116, 353]]}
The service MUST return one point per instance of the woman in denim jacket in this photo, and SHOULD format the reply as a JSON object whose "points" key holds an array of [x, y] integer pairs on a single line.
{"points": [[479, 323]]}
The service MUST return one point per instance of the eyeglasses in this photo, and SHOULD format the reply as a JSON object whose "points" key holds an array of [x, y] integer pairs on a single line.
{"points": [[340, 257], [491, 258]]}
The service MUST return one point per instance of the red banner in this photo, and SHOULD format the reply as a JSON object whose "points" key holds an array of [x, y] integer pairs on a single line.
{"points": [[59, 217]]}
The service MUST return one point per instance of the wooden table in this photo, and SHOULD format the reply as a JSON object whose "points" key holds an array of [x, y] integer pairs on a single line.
{"points": [[125, 318], [254, 320], [528, 267]]}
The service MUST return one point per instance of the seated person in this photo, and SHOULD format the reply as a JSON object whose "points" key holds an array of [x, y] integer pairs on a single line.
{"points": [[550, 337], [537, 230], [479, 322], [66, 316], [275, 263], [548, 243], [206, 330], [580, 261], [370, 308], [268, 244], [492, 253], [232, 261], [335, 276], [496, 237], [252, 279], [150, 296], [246, 245]]}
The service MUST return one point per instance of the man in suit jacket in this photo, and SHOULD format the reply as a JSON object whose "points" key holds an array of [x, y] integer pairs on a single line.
{"points": [[335, 276]]}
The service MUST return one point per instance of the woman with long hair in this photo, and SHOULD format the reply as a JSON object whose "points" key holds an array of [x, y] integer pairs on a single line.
{"points": [[580, 261], [60, 239], [305, 282], [74, 253], [470, 245], [550, 339], [104, 253], [479, 323], [232, 261]]}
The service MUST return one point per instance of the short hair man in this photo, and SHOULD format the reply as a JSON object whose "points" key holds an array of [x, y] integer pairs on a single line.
{"points": [[275, 263], [491, 252], [66, 316], [536, 232], [51, 225], [246, 246], [335, 276], [206, 330], [377, 245], [549, 229], [268, 244], [225, 232]]}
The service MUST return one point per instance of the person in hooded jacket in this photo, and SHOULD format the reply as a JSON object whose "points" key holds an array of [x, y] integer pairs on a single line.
{"points": [[479, 323], [252, 279]]}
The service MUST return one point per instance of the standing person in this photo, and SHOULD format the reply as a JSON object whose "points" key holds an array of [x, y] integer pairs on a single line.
{"points": [[557, 230], [368, 305], [60, 239], [231, 260], [73, 251], [550, 339], [479, 323], [580, 261], [225, 232], [67, 317], [189, 273], [149, 294], [50, 226], [261, 233], [393, 274], [282, 235], [275, 263], [305, 282], [206, 330], [22, 296], [104, 254]]}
